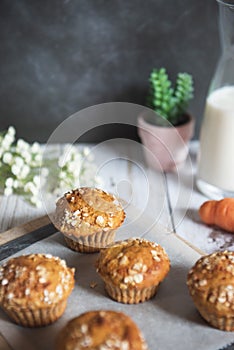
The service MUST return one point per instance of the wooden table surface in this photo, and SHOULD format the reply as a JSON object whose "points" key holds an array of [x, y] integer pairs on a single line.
{"points": [[170, 198]]}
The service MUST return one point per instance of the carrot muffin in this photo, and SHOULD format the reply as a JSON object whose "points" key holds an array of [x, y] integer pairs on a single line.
{"points": [[211, 286], [34, 288], [101, 330], [88, 217], [133, 269]]}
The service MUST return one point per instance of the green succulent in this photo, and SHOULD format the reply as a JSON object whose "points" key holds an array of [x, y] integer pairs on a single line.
{"points": [[168, 102]]}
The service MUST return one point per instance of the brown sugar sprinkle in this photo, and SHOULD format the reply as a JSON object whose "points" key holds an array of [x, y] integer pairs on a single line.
{"points": [[213, 276]]}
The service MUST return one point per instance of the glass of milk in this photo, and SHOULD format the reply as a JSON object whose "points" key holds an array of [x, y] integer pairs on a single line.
{"points": [[215, 174]]}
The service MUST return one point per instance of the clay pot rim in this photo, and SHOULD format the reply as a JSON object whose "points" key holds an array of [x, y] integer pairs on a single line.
{"points": [[143, 123]]}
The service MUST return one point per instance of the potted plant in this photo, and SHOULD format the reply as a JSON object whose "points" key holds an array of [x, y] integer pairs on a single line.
{"points": [[166, 128]]}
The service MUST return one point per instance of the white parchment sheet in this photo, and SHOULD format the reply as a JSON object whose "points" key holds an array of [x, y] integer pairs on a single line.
{"points": [[169, 321]]}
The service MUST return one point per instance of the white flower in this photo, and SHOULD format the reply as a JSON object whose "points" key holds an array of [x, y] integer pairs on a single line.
{"points": [[36, 148], [44, 172], [61, 161], [38, 158], [9, 182], [22, 161], [16, 184], [86, 151], [27, 186], [36, 180], [26, 155], [30, 187], [68, 153], [22, 145], [68, 149], [35, 200], [15, 169], [8, 191], [62, 174], [77, 172], [19, 161], [43, 180], [98, 180], [7, 158], [11, 131], [72, 166], [24, 171], [87, 154], [7, 141]]}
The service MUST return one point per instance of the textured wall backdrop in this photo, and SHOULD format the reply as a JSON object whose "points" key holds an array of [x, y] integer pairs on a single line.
{"points": [[59, 56]]}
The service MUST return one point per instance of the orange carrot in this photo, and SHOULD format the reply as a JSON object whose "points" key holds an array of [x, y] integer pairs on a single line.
{"points": [[218, 213]]}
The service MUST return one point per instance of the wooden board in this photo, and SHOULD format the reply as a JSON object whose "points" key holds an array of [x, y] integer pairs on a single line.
{"points": [[3, 344], [24, 229]]}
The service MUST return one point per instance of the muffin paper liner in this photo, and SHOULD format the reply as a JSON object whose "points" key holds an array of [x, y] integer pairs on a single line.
{"points": [[92, 243], [38, 317], [223, 323], [131, 296], [168, 321]]}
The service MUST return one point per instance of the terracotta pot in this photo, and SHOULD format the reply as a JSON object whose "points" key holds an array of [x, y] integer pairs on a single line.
{"points": [[166, 147]]}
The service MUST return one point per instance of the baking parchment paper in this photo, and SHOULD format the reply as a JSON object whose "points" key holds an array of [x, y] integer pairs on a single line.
{"points": [[169, 321]]}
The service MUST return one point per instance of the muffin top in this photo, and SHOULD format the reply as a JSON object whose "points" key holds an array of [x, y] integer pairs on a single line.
{"points": [[101, 330], [133, 263], [211, 281], [35, 280], [88, 210]]}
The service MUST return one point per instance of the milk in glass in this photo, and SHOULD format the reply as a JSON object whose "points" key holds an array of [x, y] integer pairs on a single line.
{"points": [[216, 157]]}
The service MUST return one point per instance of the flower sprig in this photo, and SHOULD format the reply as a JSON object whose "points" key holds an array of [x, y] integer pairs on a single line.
{"points": [[19, 167], [23, 173], [73, 168]]}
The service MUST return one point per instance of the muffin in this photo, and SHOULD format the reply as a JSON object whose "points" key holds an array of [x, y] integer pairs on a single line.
{"points": [[211, 286], [101, 330], [88, 217], [34, 288], [133, 269]]}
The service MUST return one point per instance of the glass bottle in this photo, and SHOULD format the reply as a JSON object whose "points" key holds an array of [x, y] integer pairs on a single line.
{"points": [[215, 174]]}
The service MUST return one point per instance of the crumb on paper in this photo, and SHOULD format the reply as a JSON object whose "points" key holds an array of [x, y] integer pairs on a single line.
{"points": [[93, 284]]}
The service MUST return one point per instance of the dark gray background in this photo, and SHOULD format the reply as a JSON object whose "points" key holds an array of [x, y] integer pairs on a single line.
{"points": [[58, 57]]}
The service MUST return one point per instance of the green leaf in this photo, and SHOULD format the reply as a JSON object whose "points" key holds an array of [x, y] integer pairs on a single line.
{"points": [[166, 101]]}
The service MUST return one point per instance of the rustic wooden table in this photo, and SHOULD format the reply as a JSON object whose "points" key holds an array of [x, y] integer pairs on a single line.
{"points": [[170, 198]]}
